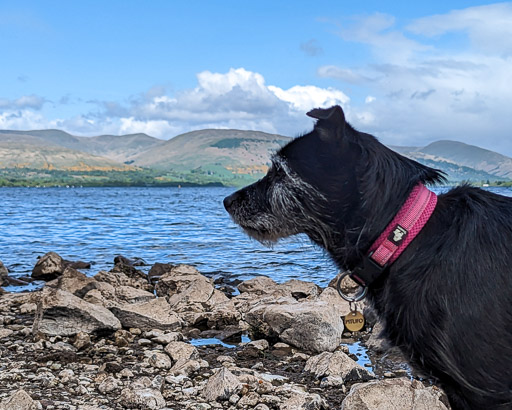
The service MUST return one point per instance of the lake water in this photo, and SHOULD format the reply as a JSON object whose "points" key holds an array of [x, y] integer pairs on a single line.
{"points": [[187, 225]]}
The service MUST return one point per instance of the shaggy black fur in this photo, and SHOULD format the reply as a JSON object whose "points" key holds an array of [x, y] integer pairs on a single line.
{"points": [[447, 301]]}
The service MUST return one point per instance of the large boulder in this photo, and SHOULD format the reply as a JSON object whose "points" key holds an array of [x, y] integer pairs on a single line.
{"points": [[314, 326], [51, 265], [64, 314], [48, 267], [154, 314], [195, 298], [396, 394], [179, 278]]}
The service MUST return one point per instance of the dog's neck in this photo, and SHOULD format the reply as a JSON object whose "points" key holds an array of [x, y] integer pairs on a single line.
{"points": [[398, 234]]}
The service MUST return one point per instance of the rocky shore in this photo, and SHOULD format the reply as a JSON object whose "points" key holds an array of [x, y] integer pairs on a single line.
{"points": [[175, 339]]}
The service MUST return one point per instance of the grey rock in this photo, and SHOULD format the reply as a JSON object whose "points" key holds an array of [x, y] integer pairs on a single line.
{"points": [[73, 281], [48, 267], [108, 385], [158, 270], [159, 360], [337, 364], [82, 340], [155, 314], [375, 342], [185, 367], [259, 285], [20, 400], [396, 394], [221, 386], [313, 325], [64, 314], [300, 400], [3, 273], [181, 351], [4, 333], [167, 338], [142, 398], [250, 400]]}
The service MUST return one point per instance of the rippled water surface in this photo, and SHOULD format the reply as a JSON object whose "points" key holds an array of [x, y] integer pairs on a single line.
{"points": [[187, 225]]}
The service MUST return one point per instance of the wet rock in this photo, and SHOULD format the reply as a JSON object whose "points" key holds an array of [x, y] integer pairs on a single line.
{"points": [[64, 314], [155, 314], [337, 364], [77, 264], [181, 350], [48, 267], [123, 260], [3, 273], [396, 394], [158, 270], [221, 386], [20, 400], [313, 325]]}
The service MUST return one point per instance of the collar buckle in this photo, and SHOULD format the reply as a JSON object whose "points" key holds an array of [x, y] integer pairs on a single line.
{"points": [[367, 272]]}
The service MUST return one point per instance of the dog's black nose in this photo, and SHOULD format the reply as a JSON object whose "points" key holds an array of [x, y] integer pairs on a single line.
{"points": [[228, 201]]}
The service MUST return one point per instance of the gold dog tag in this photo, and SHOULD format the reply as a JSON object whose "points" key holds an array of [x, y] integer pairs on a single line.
{"points": [[354, 321]]}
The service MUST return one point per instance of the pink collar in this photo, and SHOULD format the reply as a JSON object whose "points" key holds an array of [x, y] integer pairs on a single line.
{"points": [[404, 227]]}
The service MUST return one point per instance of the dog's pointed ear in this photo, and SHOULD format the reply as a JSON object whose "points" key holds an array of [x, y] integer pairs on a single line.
{"points": [[330, 120], [334, 114]]}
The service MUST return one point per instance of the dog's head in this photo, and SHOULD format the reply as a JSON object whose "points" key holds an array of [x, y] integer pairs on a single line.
{"points": [[323, 184]]}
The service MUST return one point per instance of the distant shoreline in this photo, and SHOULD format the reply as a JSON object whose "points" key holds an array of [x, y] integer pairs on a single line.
{"points": [[115, 185]]}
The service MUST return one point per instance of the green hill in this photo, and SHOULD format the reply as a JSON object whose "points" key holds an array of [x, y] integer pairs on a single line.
{"points": [[230, 157]]}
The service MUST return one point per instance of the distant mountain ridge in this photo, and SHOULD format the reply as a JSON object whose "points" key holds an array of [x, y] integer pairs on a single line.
{"points": [[219, 155]]}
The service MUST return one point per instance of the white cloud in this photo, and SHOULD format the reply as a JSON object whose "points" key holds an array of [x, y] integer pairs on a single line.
{"points": [[26, 101], [236, 99], [304, 98], [424, 88], [489, 27]]}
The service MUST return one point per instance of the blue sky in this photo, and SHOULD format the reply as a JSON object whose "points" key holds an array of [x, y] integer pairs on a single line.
{"points": [[408, 72]]}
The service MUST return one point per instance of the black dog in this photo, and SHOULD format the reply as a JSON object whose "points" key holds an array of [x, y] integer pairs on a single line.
{"points": [[446, 302]]}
